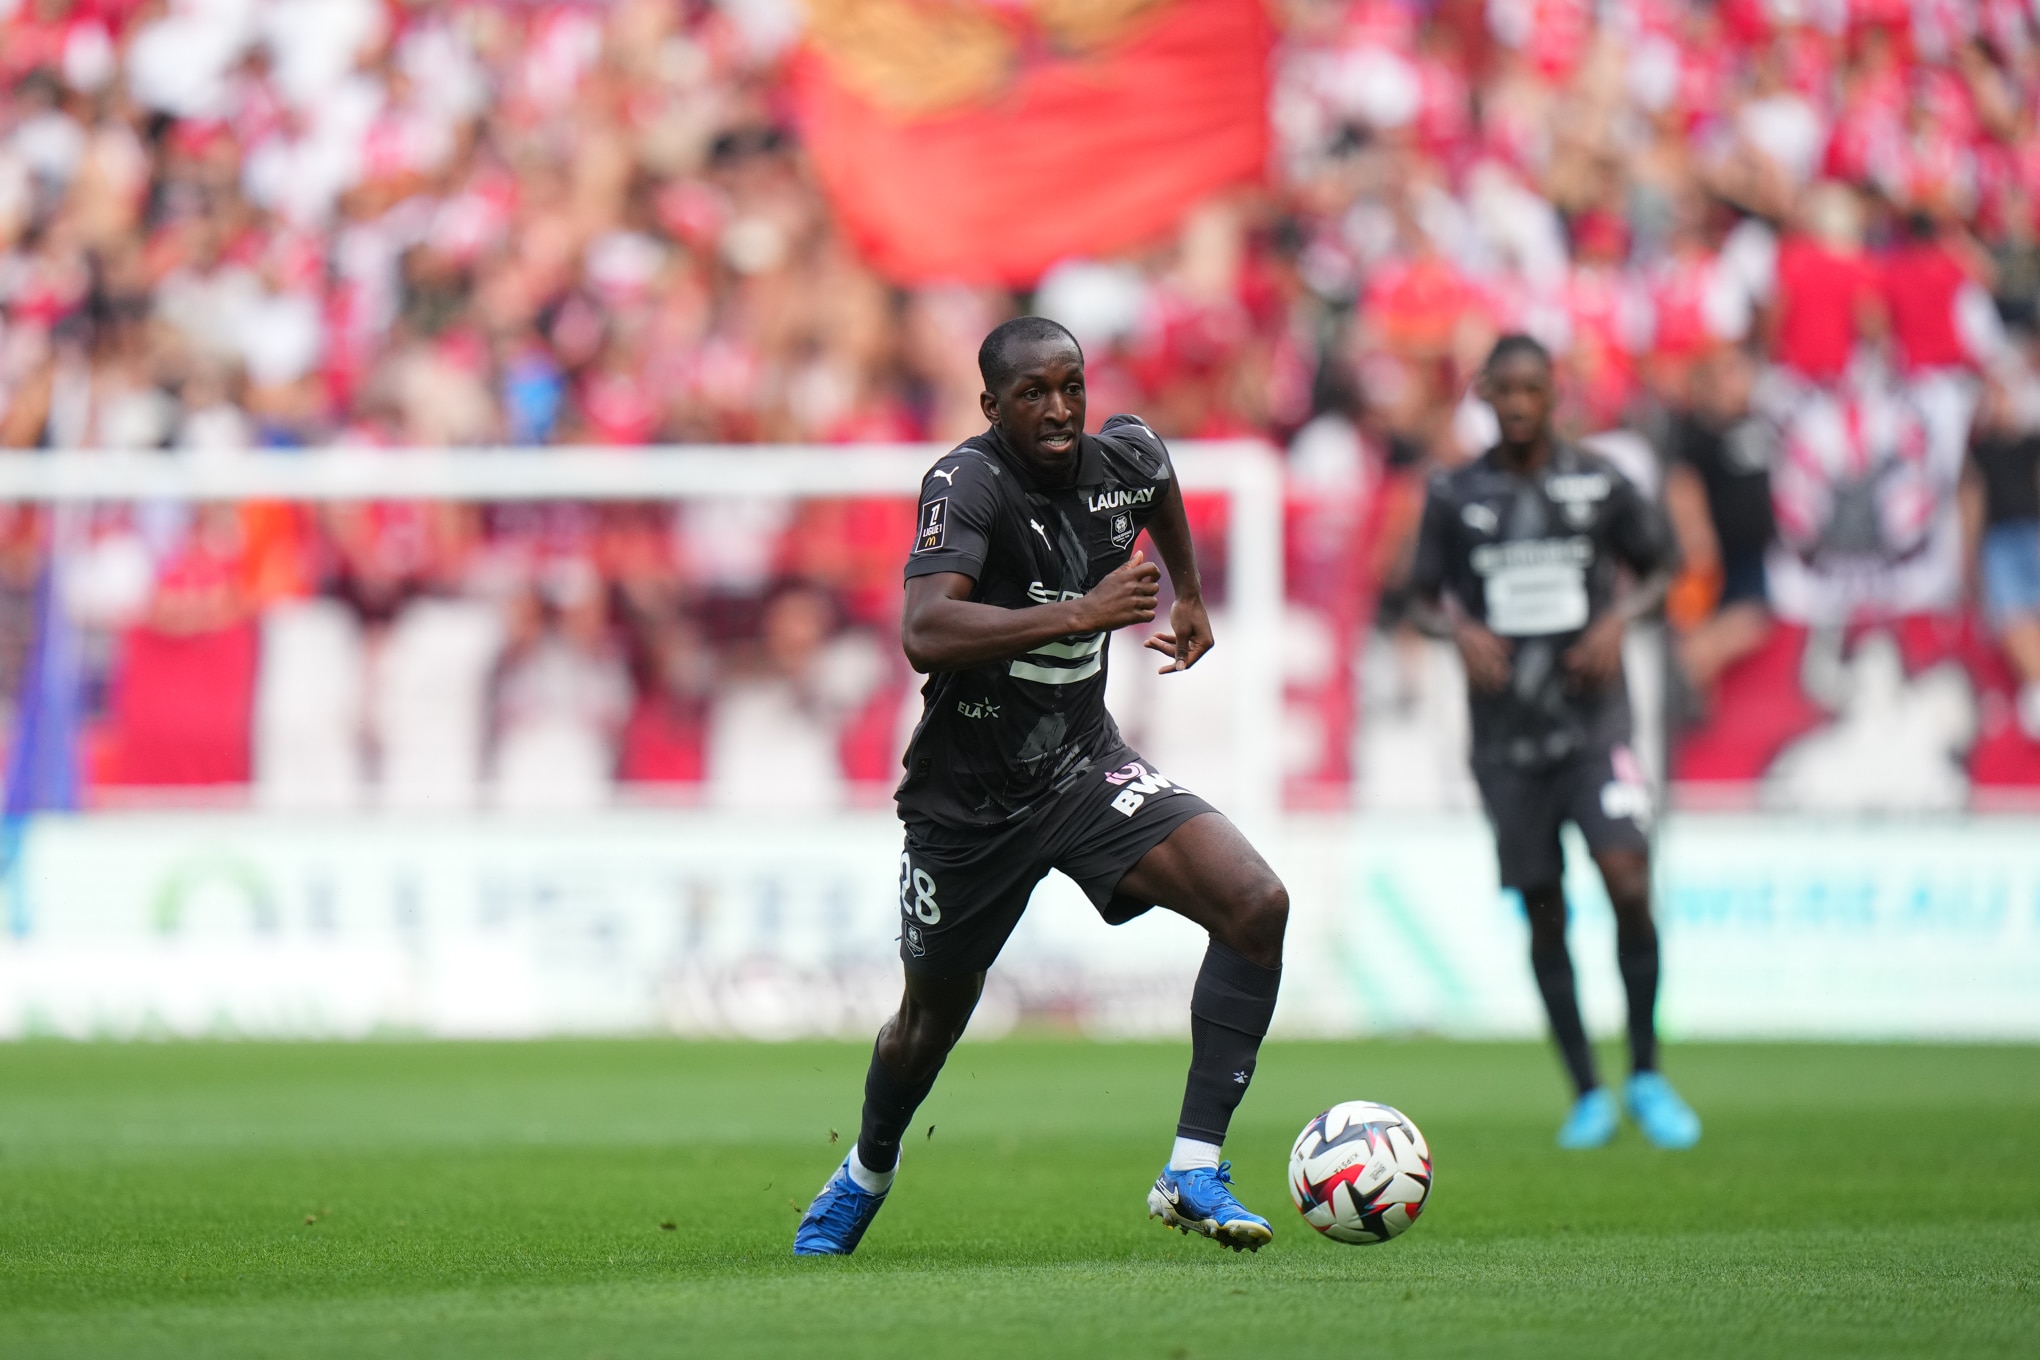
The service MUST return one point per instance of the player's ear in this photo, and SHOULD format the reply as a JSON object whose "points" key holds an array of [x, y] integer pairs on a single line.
{"points": [[989, 404]]}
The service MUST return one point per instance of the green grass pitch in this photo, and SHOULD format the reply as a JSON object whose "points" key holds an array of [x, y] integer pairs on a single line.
{"points": [[507, 1200]]}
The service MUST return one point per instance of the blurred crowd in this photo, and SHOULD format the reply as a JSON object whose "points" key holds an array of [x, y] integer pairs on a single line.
{"points": [[1791, 246]]}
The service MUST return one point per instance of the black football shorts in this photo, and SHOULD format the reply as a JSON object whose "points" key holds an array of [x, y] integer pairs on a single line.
{"points": [[963, 890], [1602, 791]]}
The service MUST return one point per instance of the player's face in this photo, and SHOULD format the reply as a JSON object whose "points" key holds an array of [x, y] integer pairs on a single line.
{"points": [[1040, 409], [1520, 390]]}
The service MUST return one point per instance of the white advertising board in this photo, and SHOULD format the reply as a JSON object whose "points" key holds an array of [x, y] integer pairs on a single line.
{"points": [[127, 925]]}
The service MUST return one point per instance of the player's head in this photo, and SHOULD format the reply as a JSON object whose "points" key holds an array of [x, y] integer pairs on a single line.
{"points": [[1517, 382], [1034, 387]]}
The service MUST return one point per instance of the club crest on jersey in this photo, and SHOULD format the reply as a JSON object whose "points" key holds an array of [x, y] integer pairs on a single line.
{"points": [[1577, 493], [1122, 529], [934, 525]]}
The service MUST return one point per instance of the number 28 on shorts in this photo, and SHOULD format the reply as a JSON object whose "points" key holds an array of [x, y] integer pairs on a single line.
{"points": [[917, 893]]}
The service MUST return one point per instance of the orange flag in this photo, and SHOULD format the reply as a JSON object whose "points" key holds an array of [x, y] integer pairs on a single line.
{"points": [[962, 142]]}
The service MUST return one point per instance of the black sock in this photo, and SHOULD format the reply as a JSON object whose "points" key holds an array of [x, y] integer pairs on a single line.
{"points": [[889, 1105], [1552, 965], [1229, 1015], [1636, 954]]}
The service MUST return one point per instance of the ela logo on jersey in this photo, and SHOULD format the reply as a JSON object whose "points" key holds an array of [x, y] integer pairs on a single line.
{"points": [[934, 525]]}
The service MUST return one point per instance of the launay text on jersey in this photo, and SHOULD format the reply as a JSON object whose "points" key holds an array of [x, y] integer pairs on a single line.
{"points": [[1119, 500]]}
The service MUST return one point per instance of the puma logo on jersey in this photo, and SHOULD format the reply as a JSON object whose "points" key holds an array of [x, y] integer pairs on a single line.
{"points": [[1041, 529], [1479, 518], [946, 474]]}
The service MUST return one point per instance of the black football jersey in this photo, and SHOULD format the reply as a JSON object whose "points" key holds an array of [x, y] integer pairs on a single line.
{"points": [[993, 740], [1534, 558]]}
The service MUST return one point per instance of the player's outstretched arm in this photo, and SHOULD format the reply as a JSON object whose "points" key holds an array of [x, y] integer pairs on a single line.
{"points": [[1188, 636], [943, 629]]}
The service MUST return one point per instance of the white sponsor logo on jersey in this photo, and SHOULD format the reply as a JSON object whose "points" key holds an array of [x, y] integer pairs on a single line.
{"points": [[1120, 499]]}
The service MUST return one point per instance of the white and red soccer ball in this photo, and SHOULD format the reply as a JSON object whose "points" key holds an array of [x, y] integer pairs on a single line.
{"points": [[1360, 1172]]}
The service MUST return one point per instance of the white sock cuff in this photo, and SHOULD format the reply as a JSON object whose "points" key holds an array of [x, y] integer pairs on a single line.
{"points": [[1192, 1152], [876, 1182]]}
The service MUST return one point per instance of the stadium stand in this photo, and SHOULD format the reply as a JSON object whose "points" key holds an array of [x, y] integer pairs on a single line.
{"points": [[1791, 244]]}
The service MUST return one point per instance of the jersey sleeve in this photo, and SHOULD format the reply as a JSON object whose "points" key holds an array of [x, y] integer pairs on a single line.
{"points": [[1132, 434], [959, 503], [1638, 529], [1434, 541]]}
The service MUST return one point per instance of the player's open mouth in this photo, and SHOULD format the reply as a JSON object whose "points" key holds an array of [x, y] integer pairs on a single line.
{"points": [[1059, 441]]}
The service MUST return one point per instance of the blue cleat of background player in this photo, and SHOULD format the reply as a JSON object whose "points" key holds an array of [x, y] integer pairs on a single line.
{"points": [[1200, 1200], [834, 1224], [1591, 1123], [1665, 1119]]}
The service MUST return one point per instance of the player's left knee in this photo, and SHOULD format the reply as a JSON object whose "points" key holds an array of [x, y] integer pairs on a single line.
{"points": [[1262, 917], [1628, 880]]}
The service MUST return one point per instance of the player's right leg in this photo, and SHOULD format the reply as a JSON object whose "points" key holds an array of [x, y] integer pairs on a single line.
{"points": [[911, 1048], [961, 894], [1592, 1120], [1526, 808]]}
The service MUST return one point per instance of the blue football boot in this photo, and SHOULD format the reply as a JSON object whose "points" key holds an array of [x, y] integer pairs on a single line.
{"points": [[1666, 1120], [1200, 1200], [834, 1224], [1591, 1123]]}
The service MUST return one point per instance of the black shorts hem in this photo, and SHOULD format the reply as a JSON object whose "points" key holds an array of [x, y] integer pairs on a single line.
{"points": [[963, 892]]}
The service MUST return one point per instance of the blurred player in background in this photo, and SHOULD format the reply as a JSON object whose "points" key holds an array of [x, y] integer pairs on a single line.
{"points": [[1022, 566], [1516, 562]]}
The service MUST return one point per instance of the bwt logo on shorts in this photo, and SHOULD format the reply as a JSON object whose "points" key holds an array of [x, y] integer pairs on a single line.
{"points": [[1138, 782]]}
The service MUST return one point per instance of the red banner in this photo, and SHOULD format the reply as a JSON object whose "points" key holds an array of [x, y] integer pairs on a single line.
{"points": [[971, 144]]}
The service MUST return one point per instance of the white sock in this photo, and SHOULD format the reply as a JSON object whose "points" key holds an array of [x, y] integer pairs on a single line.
{"points": [[1189, 1153], [873, 1182]]}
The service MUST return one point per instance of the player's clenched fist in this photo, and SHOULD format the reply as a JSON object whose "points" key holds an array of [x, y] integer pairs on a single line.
{"points": [[1486, 657], [1127, 596]]}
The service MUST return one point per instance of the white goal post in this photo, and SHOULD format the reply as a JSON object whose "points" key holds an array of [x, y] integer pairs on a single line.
{"points": [[1248, 472]]}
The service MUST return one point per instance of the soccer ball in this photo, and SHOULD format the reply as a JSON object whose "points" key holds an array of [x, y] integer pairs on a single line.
{"points": [[1360, 1172]]}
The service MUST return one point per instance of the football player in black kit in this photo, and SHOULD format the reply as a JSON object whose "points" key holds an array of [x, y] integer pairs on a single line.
{"points": [[1022, 566], [1516, 562]]}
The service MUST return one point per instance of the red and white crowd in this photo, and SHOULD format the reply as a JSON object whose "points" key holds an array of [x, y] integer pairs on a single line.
{"points": [[232, 225]]}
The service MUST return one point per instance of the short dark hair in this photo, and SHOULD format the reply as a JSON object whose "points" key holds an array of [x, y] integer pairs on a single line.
{"points": [[995, 364], [1512, 344]]}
